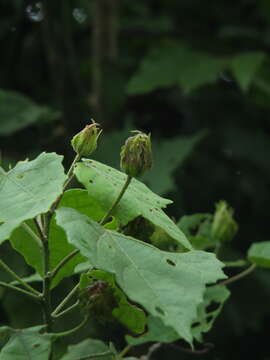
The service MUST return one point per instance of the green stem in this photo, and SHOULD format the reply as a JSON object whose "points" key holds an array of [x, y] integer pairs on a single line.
{"points": [[64, 312], [70, 176], [63, 262], [125, 351], [71, 331], [236, 263], [46, 286], [32, 234], [239, 276], [9, 286], [15, 276], [70, 171], [124, 188], [65, 300]]}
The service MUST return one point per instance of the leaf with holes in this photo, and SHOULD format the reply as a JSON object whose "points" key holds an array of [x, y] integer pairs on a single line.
{"points": [[26, 344], [168, 285], [104, 185], [29, 189]]}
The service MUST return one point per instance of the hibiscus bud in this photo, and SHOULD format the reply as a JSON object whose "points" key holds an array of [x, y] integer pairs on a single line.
{"points": [[136, 154], [224, 227], [85, 142]]}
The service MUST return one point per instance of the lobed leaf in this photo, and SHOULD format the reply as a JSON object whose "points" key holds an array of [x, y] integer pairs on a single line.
{"points": [[168, 285], [29, 189], [104, 185]]}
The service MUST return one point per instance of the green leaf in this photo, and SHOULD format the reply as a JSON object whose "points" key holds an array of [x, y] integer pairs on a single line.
{"points": [[197, 228], [174, 64], [169, 155], [26, 344], [58, 244], [28, 190], [168, 285], [216, 295], [129, 315], [30, 249], [104, 185], [259, 254], [17, 111], [88, 347], [244, 67], [157, 332]]}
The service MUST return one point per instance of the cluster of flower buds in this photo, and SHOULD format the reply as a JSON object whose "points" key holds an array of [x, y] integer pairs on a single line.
{"points": [[136, 154]]}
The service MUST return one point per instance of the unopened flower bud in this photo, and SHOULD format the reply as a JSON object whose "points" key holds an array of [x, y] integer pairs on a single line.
{"points": [[85, 142], [224, 227], [136, 154]]}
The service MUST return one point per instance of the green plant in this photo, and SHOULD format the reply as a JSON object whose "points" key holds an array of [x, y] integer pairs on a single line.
{"points": [[135, 266]]}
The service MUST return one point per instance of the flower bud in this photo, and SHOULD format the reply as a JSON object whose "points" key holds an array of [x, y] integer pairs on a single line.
{"points": [[136, 154], [85, 142], [224, 227]]}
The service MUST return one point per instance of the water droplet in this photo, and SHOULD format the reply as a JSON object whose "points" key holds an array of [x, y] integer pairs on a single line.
{"points": [[35, 12], [79, 15]]}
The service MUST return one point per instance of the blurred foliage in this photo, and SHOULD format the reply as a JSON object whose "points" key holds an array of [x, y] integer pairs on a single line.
{"points": [[195, 75]]}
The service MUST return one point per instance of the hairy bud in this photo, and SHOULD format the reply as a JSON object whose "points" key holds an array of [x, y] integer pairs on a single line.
{"points": [[224, 227], [136, 154], [85, 142]]}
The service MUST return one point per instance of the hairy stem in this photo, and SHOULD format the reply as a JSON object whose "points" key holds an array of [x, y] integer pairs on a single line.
{"points": [[124, 188], [12, 287], [71, 331], [239, 276], [32, 234], [70, 176], [63, 262], [15, 276], [65, 300], [64, 312], [125, 351]]}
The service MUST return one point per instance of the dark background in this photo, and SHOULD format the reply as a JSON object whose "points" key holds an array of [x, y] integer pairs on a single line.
{"points": [[193, 73]]}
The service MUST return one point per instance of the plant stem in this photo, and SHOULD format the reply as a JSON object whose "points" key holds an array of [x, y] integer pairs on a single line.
{"points": [[236, 263], [46, 286], [239, 276], [46, 251], [64, 312], [124, 188], [9, 286], [15, 276], [70, 176], [32, 234], [71, 331], [125, 351], [63, 262], [65, 300]]}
